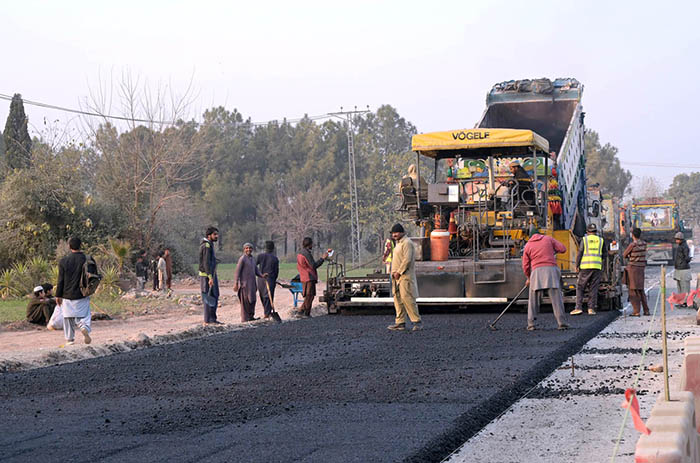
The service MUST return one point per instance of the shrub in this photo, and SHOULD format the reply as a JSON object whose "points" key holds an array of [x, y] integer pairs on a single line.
{"points": [[39, 271], [109, 286], [22, 281], [121, 250], [7, 284], [53, 275]]}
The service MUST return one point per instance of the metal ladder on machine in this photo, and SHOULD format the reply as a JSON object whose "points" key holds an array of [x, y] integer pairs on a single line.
{"points": [[490, 255]]}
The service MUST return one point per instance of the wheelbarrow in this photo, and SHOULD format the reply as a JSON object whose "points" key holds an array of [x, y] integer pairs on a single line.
{"points": [[294, 287]]}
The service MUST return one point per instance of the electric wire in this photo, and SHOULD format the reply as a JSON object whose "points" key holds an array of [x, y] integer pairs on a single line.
{"points": [[150, 121], [651, 164]]}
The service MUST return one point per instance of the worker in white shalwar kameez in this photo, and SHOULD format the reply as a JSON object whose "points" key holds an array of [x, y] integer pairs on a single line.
{"points": [[74, 306]]}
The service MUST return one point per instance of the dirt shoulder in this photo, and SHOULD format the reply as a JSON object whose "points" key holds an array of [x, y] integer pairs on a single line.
{"points": [[24, 348]]}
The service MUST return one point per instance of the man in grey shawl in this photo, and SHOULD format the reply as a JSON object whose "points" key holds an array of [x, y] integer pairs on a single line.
{"points": [[245, 284]]}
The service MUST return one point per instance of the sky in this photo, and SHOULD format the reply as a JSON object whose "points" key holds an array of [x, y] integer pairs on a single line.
{"points": [[433, 61]]}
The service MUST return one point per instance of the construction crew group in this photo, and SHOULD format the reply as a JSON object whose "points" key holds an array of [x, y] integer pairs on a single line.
{"points": [[260, 274], [255, 275], [542, 274]]}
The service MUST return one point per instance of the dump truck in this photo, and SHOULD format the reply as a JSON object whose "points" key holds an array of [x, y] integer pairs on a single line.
{"points": [[484, 213], [659, 219]]}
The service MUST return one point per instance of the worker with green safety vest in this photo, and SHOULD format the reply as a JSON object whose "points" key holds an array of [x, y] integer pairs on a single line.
{"points": [[389, 246], [589, 263]]}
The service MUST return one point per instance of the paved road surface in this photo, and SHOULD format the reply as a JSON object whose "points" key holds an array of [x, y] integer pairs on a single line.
{"points": [[326, 389]]}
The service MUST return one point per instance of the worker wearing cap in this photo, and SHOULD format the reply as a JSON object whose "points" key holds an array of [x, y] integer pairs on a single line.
{"points": [[636, 255], [521, 178], [681, 264], [404, 283], [41, 307], [589, 263], [245, 283]]}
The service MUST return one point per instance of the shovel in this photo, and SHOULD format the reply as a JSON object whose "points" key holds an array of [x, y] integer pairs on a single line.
{"points": [[275, 316], [493, 325]]}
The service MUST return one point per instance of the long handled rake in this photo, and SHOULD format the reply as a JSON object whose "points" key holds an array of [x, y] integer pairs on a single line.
{"points": [[493, 325]]}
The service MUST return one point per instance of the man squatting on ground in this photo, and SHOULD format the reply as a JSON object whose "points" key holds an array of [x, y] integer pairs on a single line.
{"points": [[245, 283], [681, 264], [404, 283], [589, 263], [208, 281], [636, 255], [269, 264], [41, 306], [540, 267], [74, 306], [306, 266]]}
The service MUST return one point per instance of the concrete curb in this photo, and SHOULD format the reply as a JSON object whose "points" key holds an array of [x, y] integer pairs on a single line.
{"points": [[674, 437]]}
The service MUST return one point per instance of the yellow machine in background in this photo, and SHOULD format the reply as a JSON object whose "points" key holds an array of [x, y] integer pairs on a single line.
{"points": [[520, 172]]}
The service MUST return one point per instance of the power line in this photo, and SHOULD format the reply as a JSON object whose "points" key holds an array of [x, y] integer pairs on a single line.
{"points": [[131, 119], [651, 164]]}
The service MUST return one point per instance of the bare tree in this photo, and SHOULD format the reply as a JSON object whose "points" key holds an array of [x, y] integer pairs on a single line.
{"points": [[647, 187], [299, 213], [146, 152]]}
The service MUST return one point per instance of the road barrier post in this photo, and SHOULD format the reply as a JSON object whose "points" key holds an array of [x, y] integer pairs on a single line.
{"points": [[663, 332]]}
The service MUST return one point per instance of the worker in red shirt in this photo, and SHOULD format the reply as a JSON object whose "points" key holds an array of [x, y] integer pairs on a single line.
{"points": [[540, 267], [306, 265]]}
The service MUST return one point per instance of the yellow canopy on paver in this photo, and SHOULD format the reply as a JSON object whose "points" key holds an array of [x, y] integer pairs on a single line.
{"points": [[428, 144]]}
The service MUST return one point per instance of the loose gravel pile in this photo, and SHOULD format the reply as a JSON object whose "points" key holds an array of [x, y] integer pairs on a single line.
{"points": [[325, 389]]}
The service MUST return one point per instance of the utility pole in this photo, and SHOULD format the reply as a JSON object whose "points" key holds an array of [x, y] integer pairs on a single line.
{"points": [[354, 203]]}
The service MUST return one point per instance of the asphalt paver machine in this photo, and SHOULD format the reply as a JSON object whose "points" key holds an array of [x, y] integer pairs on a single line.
{"points": [[490, 189]]}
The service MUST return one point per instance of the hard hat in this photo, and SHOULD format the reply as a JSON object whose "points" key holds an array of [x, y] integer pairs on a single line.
{"points": [[678, 236], [591, 228]]}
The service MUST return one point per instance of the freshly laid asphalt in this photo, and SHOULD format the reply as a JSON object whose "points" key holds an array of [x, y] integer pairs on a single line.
{"points": [[332, 388]]}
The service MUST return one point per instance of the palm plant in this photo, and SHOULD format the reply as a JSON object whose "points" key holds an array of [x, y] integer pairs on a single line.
{"points": [[22, 281], [109, 285], [7, 281], [53, 275], [121, 251], [38, 270]]}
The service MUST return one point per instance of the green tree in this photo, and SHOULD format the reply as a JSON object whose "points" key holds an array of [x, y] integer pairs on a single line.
{"points": [[384, 152], [686, 189], [50, 201], [603, 166], [18, 143], [2, 156]]}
